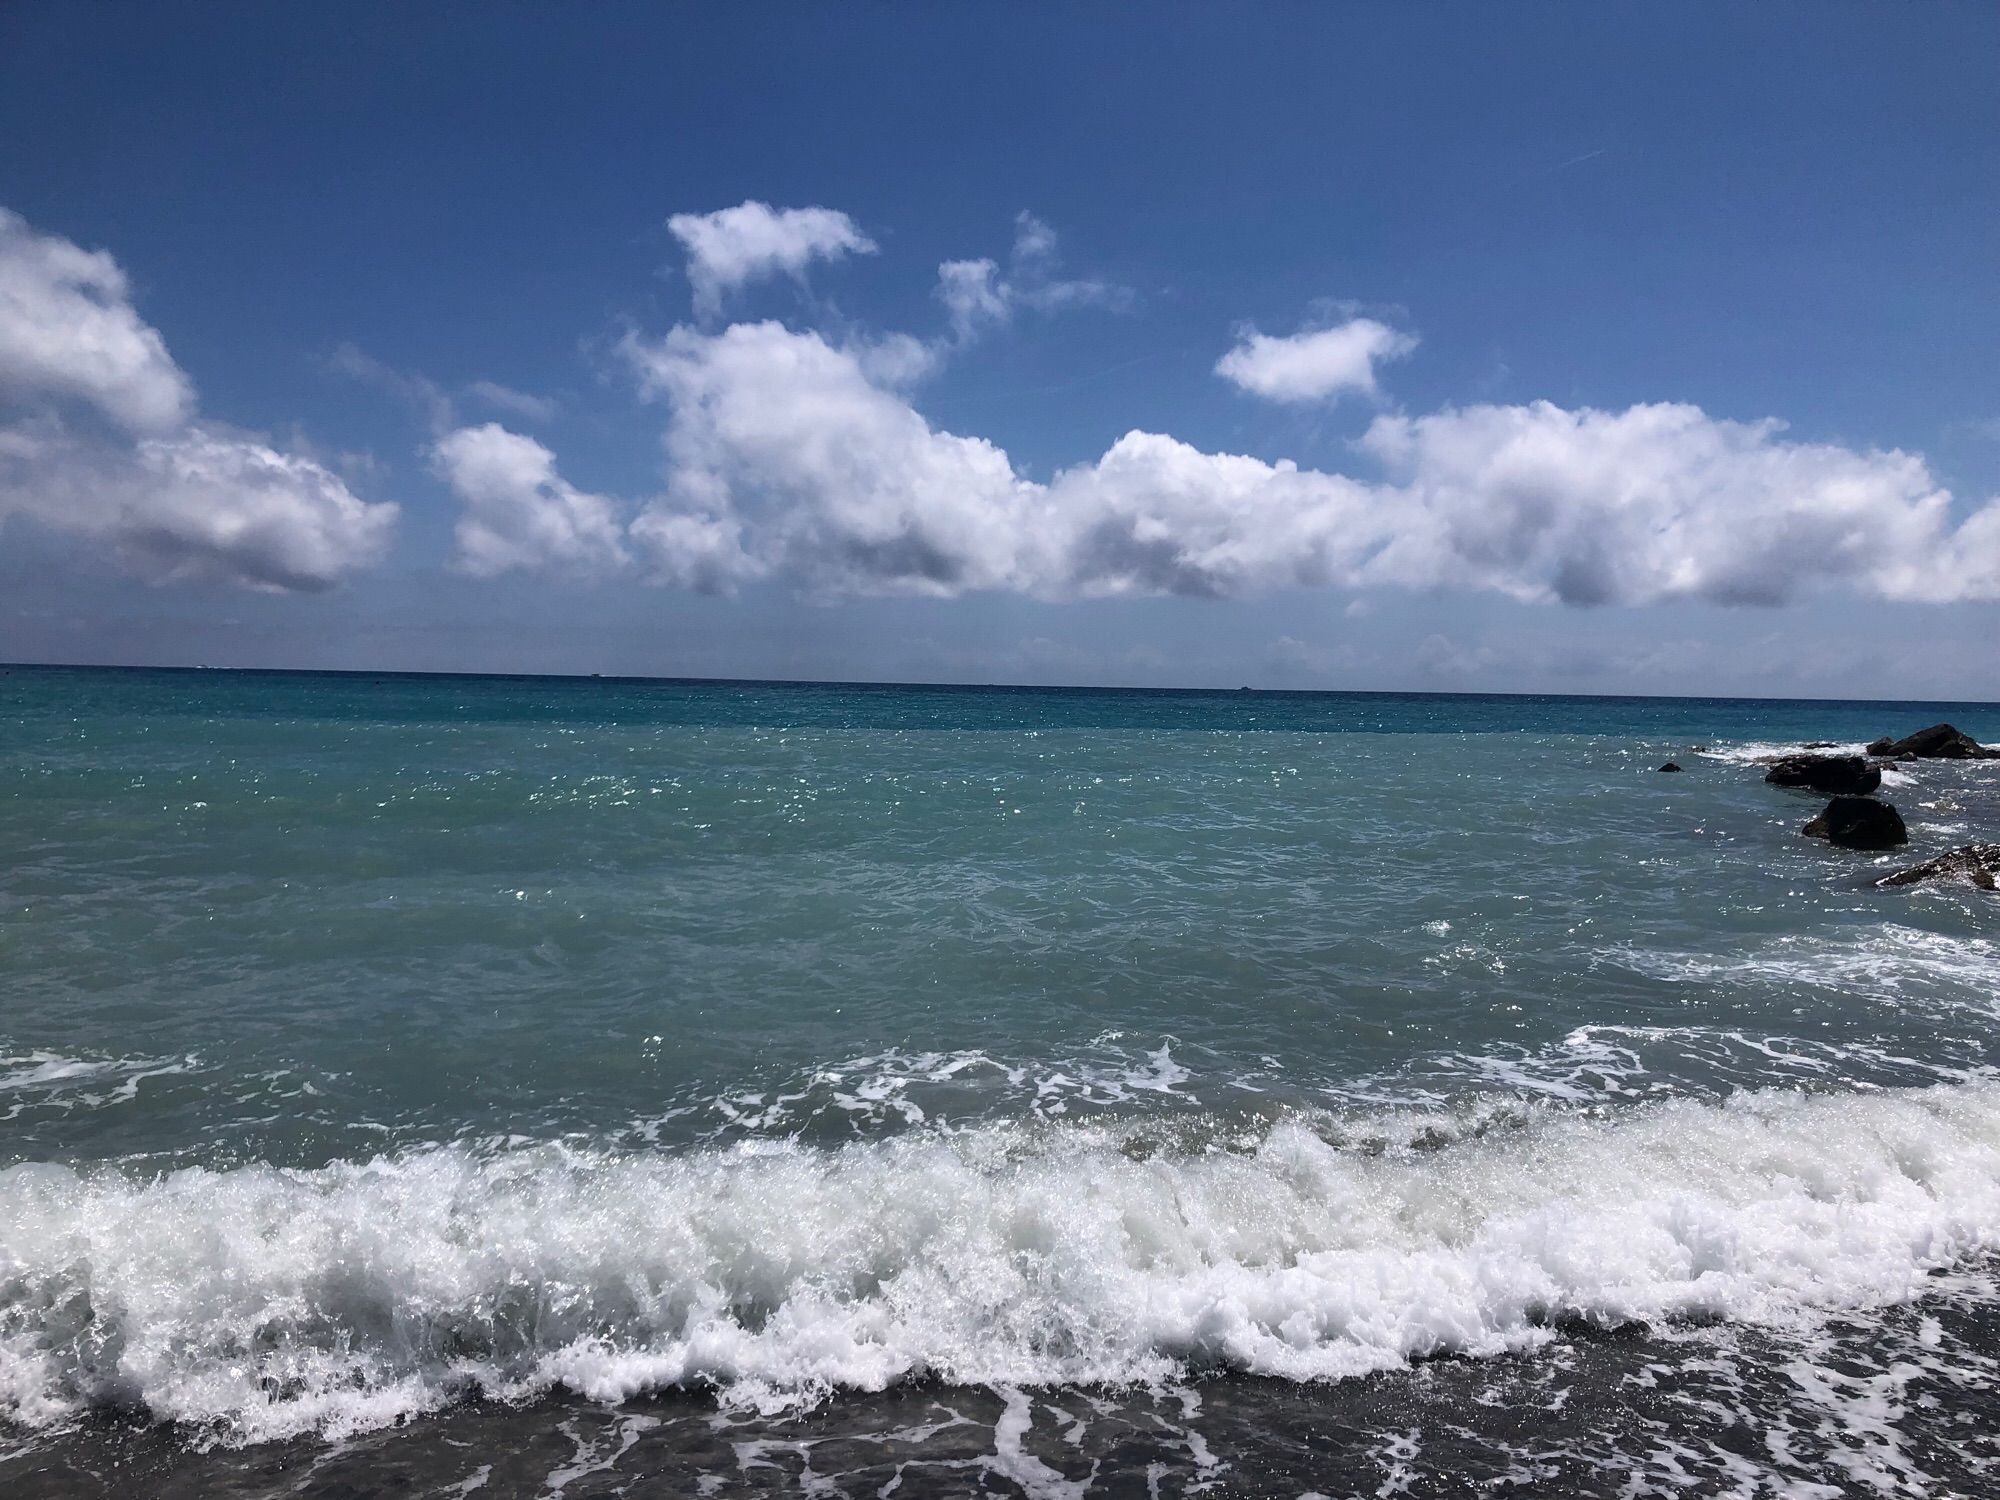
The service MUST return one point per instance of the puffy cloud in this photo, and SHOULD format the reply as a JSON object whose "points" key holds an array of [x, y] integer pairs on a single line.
{"points": [[169, 498], [68, 331], [517, 511], [1157, 516], [1316, 365], [204, 504], [1659, 502], [977, 296], [834, 479], [785, 458], [842, 484], [732, 247], [702, 553]]}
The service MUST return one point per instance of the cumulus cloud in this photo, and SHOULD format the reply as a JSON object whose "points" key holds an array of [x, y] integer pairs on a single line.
{"points": [[977, 295], [517, 512], [732, 247], [68, 331], [99, 440], [205, 504], [1660, 502], [781, 444], [832, 478], [1314, 365]]}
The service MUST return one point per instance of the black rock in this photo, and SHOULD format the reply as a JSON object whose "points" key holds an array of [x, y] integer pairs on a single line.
{"points": [[1670, 766], [1859, 823], [1978, 863], [1939, 742], [1821, 745], [1834, 775]]}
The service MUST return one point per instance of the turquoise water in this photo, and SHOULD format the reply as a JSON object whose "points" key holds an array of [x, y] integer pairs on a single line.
{"points": [[772, 1041]]}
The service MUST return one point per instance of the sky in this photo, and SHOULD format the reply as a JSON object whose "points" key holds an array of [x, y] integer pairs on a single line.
{"points": [[1537, 348]]}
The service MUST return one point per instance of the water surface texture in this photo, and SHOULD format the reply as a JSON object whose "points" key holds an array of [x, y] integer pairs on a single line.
{"points": [[447, 1085]]}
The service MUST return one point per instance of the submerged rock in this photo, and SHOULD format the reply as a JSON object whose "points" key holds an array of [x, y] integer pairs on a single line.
{"points": [[1859, 823], [1670, 766], [1835, 775], [1939, 742], [1978, 863]]}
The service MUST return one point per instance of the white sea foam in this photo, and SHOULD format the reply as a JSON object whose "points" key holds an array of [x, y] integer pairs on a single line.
{"points": [[50, 1081], [909, 1088], [1762, 752], [261, 1302], [1884, 962]]}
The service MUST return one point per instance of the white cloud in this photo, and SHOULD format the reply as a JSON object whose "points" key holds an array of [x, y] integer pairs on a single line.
{"points": [[842, 485], [732, 247], [834, 479], [1660, 502], [977, 296], [781, 443], [973, 295], [69, 332], [894, 360], [204, 504], [168, 498], [517, 511], [1315, 365]]}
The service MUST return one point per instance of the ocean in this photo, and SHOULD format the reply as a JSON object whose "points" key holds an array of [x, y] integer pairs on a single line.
{"points": [[496, 1087]]}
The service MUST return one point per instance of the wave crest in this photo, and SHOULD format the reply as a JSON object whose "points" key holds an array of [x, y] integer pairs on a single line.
{"points": [[259, 1303]]}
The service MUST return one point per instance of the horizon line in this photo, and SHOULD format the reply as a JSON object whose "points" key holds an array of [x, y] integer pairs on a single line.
{"points": [[1010, 687]]}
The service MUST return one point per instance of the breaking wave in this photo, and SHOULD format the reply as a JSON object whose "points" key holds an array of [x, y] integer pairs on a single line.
{"points": [[257, 1303]]}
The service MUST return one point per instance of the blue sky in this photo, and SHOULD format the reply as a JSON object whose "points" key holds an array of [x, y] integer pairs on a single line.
{"points": [[1320, 346]]}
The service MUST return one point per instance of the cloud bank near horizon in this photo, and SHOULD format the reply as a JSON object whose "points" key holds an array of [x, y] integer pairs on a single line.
{"points": [[799, 455]]}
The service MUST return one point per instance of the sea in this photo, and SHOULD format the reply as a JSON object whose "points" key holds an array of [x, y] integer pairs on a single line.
{"points": [[505, 1086]]}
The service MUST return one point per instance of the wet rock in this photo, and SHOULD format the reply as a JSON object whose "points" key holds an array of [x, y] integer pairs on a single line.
{"points": [[1978, 863], [1939, 742], [1670, 766], [1821, 745], [1859, 823], [1834, 775]]}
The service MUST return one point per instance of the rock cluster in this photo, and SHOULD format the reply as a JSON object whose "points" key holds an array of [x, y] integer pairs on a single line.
{"points": [[1939, 742], [1855, 819]]}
